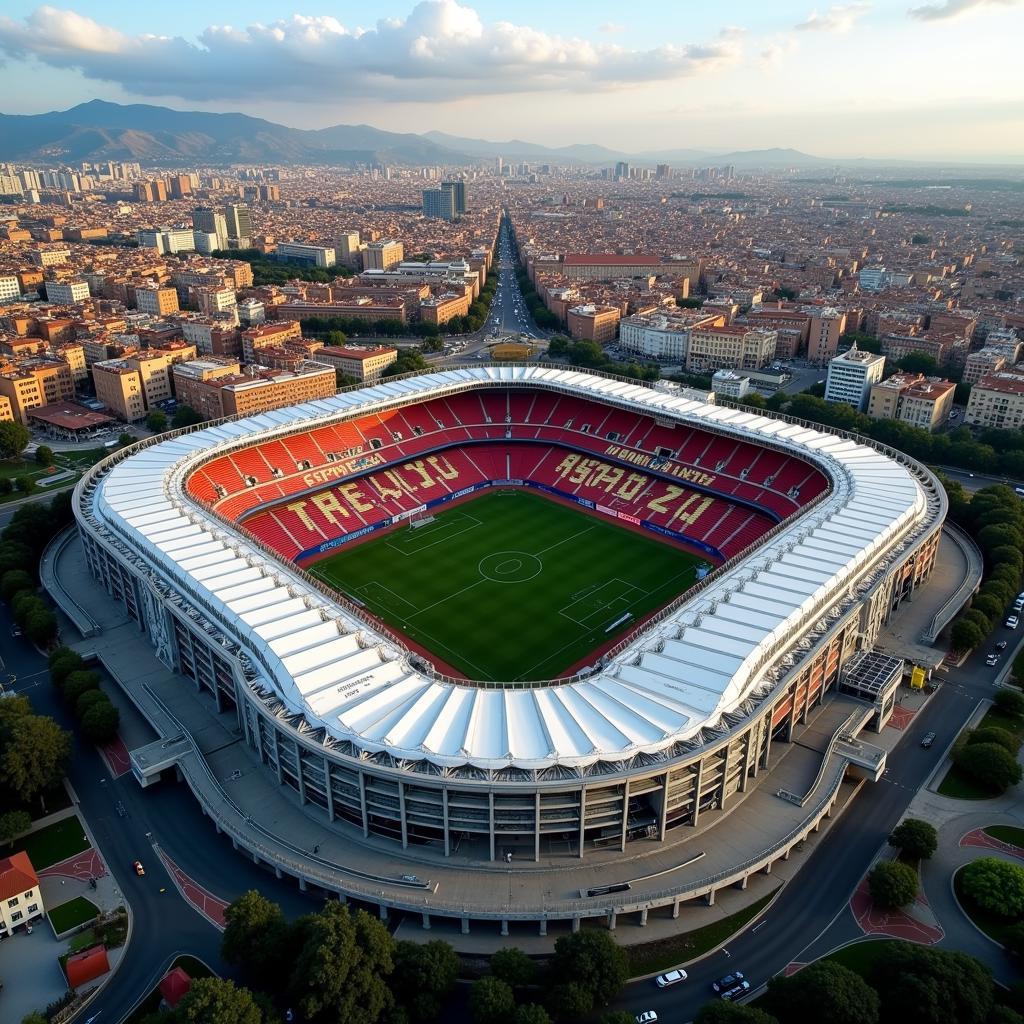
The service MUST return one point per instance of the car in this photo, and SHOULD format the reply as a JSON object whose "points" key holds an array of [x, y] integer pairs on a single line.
{"points": [[672, 977], [1001, 646], [736, 991], [647, 1017], [15, 631], [728, 982], [992, 659], [927, 740], [1012, 622], [139, 869]]}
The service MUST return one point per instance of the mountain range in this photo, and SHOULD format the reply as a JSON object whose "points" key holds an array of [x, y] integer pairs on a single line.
{"points": [[98, 131]]}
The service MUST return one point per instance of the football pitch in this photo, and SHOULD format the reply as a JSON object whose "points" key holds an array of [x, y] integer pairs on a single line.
{"points": [[511, 585]]}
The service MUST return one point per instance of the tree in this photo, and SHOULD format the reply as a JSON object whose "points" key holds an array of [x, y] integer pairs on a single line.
{"points": [[342, 966], [44, 455], [965, 635], [924, 985], [5, 485], [531, 1013], [35, 1018], [100, 722], [592, 960], [24, 484], [989, 765], [89, 699], [34, 749], [14, 582], [993, 734], [423, 976], [13, 439], [491, 1002], [156, 421], [13, 823], [1003, 1015], [892, 884], [216, 1001], [1013, 938], [254, 939], [78, 683], [1010, 702], [915, 839], [64, 661], [997, 886], [514, 967], [185, 416], [618, 1017], [824, 991], [570, 1001], [41, 627], [721, 1012]]}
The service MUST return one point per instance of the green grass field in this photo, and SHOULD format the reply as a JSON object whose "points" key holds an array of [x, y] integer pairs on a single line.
{"points": [[511, 585]]}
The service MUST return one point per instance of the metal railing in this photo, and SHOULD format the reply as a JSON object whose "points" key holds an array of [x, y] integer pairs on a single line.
{"points": [[968, 585]]}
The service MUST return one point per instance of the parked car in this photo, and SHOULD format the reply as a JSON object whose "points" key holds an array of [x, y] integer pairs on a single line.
{"points": [[139, 869], [992, 659], [728, 982], [647, 1017], [736, 991], [1012, 622], [1001, 646], [671, 978], [927, 740]]}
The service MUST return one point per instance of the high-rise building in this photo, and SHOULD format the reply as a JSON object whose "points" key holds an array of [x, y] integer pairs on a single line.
{"points": [[239, 222], [383, 254], [622, 169], [851, 375], [212, 222], [499, 165], [438, 203], [457, 188]]}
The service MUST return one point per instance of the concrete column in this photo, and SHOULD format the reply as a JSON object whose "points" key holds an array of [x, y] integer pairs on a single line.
{"points": [[277, 872], [726, 757], [785, 856], [362, 805], [401, 811], [749, 745], [504, 928], [663, 822], [817, 825], [426, 921], [543, 926], [216, 828], [490, 819], [768, 868], [743, 882], [444, 813], [643, 918], [303, 887], [465, 926], [327, 784], [613, 920], [583, 817], [536, 826], [675, 908], [698, 769], [342, 899], [710, 898], [575, 924], [255, 858], [625, 816], [234, 843], [383, 911]]}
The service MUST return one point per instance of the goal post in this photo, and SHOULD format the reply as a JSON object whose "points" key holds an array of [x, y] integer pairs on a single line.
{"points": [[418, 519]]}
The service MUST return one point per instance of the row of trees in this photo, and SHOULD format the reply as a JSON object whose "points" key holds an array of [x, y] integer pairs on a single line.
{"points": [[988, 755], [994, 517], [342, 966], [267, 270], [591, 355], [894, 883], [80, 687]]}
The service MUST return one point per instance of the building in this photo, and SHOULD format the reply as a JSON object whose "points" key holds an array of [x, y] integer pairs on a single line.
{"points": [[611, 267], [663, 335], [6, 412], [826, 327], [383, 255], [191, 378], [239, 223], [132, 386], [730, 348], [356, 361], [268, 335], [20, 898], [34, 383], [439, 309], [457, 189], [156, 300], [997, 401], [438, 203], [66, 293], [923, 402], [166, 240], [208, 221], [730, 384], [312, 255], [275, 389], [872, 279], [851, 375], [347, 248], [991, 359], [590, 322], [10, 288]]}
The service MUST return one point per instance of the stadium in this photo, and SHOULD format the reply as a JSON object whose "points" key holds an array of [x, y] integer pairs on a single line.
{"points": [[511, 608]]}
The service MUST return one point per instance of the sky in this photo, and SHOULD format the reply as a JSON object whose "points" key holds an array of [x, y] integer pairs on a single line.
{"points": [[904, 79]]}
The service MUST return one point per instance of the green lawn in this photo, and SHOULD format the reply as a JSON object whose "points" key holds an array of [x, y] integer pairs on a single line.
{"points": [[74, 912], [511, 585], [54, 843], [1006, 834], [151, 1004], [861, 957], [957, 785], [994, 926], [681, 949]]}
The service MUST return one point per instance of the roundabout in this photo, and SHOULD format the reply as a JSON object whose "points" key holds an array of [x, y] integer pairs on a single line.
{"points": [[510, 567]]}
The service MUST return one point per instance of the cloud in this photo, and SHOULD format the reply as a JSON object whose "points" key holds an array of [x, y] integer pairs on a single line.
{"points": [[611, 28], [838, 18], [954, 8], [441, 51]]}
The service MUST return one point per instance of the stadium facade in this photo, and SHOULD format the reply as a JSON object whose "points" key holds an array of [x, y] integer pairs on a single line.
{"points": [[192, 534]]}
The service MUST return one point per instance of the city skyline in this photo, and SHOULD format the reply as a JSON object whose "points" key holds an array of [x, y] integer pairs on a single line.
{"points": [[839, 81]]}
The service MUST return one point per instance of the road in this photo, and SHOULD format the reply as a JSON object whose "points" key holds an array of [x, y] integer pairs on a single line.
{"points": [[819, 894]]}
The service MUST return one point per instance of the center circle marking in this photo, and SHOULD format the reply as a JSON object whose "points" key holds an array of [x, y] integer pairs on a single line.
{"points": [[510, 567]]}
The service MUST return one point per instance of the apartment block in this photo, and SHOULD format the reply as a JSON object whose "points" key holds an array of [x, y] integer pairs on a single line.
{"points": [[591, 322], [192, 384], [132, 386], [663, 335], [34, 383], [439, 309], [923, 402], [218, 394], [157, 301], [67, 293], [313, 255], [266, 336], [383, 255], [826, 327], [851, 375], [730, 348], [356, 361], [997, 401], [10, 288]]}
